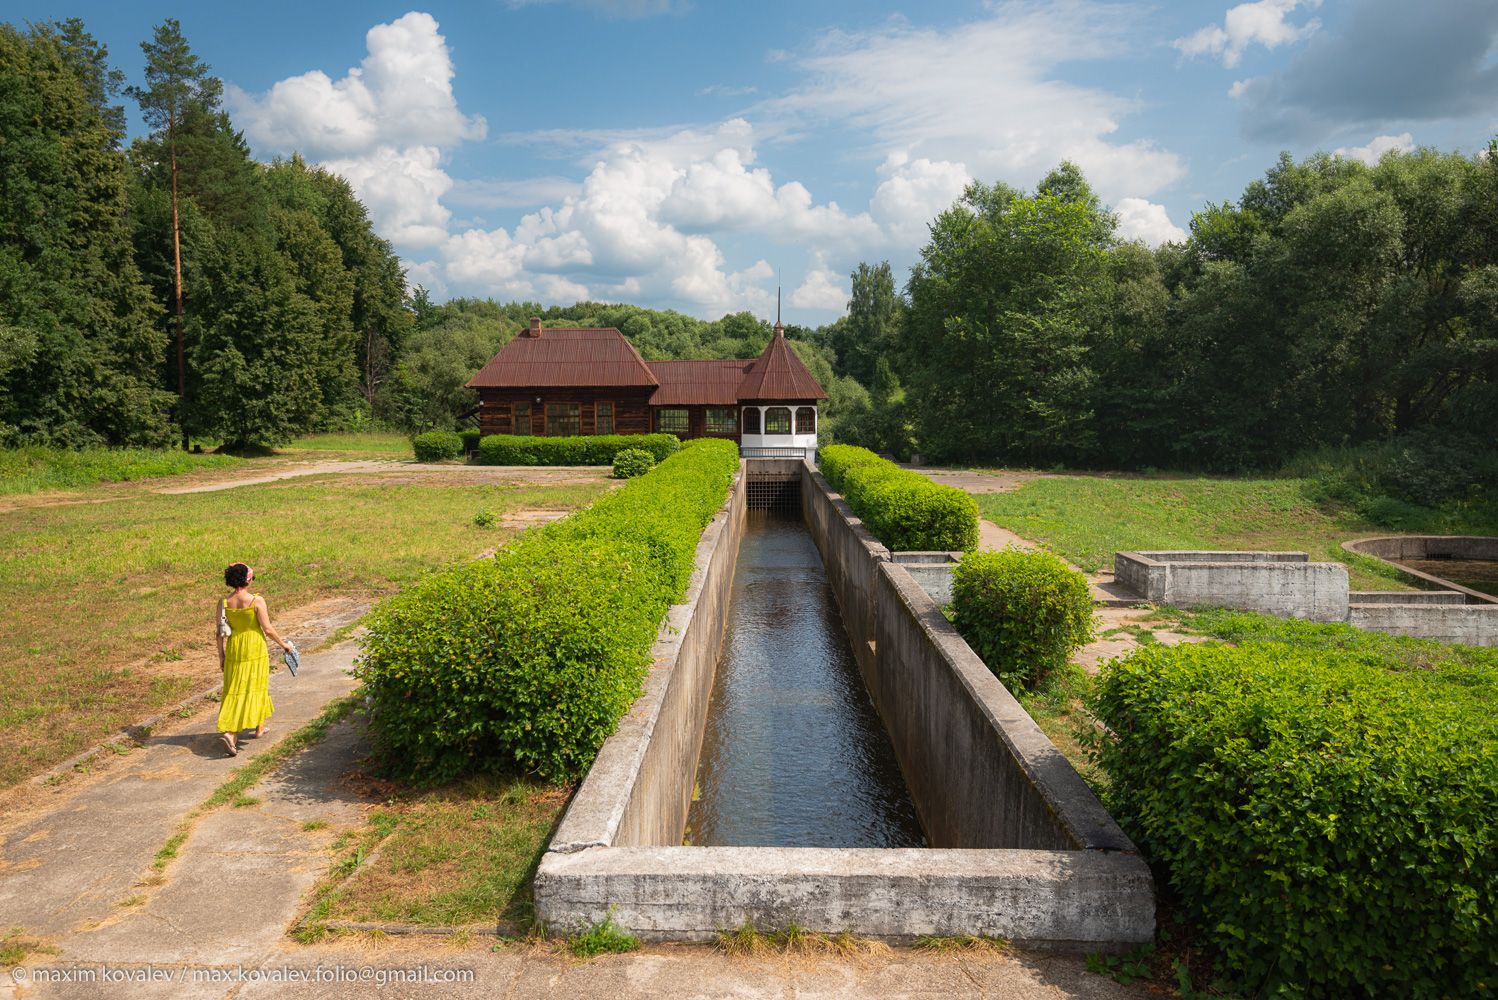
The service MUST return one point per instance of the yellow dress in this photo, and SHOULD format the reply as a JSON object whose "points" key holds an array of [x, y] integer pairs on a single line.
{"points": [[246, 700]]}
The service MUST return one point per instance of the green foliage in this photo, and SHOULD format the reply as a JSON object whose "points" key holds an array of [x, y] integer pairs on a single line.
{"points": [[903, 509], [1327, 812], [437, 446], [602, 938], [525, 662], [632, 462], [470, 438], [1024, 613], [520, 449]]}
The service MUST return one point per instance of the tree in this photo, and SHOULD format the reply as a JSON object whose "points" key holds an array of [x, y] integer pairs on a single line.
{"points": [[79, 342], [872, 324], [177, 85]]}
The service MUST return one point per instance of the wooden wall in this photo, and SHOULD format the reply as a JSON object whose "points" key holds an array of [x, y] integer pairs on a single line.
{"points": [[631, 409]]}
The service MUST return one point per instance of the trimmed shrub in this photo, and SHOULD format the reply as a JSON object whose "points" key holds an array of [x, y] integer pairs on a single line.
{"points": [[1024, 613], [903, 509], [1330, 824], [526, 662], [632, 462], [437, 446], [470, 438], [519, 449]]}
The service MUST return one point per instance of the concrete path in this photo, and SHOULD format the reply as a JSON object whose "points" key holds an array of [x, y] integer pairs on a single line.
{"points": [[997, 481], [431, 967], [70, 854]]}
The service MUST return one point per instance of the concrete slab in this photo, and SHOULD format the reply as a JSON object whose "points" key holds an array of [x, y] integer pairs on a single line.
{"points": [[82, 847]]}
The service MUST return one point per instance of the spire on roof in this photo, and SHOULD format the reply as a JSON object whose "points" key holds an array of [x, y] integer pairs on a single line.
{"points": [[779, 329]]}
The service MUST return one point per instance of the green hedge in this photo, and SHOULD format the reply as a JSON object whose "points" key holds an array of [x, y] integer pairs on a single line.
{"points": [[632, 462], [470, 438], [1024, 613], [903, 509], [525, 662], [518, 449], [437, 446], [1330, 824]]}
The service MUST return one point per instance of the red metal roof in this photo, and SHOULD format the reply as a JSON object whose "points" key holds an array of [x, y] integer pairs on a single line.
{"points": [[566, 357], [697, 383], [778, 374]]}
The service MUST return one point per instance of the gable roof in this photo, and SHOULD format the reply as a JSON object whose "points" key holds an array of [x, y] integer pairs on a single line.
{"points": [[778, 374], [697, 383], [576, 356]]}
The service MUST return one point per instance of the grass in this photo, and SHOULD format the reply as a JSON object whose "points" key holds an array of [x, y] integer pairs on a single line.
{"points": [[95, 592], [16, 944], [36, 469], [365, 444], [746, 940], [602, 938], [453, 856], [1087, 519], [1058, 707]]}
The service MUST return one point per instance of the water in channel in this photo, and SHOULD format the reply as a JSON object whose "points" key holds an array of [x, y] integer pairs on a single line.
{"points": [[794, 754]]}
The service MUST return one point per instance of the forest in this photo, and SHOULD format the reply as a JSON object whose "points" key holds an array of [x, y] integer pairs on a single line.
{"points": [[176, 290]]}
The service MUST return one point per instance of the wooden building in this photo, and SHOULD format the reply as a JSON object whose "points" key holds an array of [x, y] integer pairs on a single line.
{"points": [[558, 382]]}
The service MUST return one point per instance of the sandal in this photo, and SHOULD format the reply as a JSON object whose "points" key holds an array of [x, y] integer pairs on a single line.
{"points": [[261, 731], [228, 742]]}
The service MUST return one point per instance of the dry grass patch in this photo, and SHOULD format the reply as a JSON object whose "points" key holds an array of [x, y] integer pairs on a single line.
{"points": [[97, 594], [456, 856]]}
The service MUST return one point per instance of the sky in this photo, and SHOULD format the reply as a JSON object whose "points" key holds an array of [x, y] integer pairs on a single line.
{"points": [[691, 154]]}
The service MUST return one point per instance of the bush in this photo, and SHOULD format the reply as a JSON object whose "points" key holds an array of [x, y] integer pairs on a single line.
{"points": [[437, 446], [526, 662], [632, 462], [1024, 613], [518, 449], [903, 509], [470, 438], [1330, 823]]}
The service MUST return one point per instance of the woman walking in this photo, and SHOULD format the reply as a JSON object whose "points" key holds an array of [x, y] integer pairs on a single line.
{"points": [[244, 658]]}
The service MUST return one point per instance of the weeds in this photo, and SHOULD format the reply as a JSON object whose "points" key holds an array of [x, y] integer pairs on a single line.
{"points": [[601, 938]]}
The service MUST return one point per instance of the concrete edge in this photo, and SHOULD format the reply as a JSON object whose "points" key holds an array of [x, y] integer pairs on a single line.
{"points": [[597, 811], [1073, 804], [1037, 898], [1419, 576]]}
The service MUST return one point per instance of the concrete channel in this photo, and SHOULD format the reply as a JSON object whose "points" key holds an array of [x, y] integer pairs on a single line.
{"points": [[1018, 846]]}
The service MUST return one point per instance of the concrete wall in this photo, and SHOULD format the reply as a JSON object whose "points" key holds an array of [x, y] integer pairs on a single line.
{"points": [[932, 570], [1470, 624], [639, 788], [1394, 548], [1277, 583], [1024, 849]]}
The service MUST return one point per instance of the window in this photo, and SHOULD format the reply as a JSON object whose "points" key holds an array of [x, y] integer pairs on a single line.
{"points": [[564, 419], [778, 420], [806, 420], [522, 419], [751, 420], [672, 421], [722, 420], [603, 418]]}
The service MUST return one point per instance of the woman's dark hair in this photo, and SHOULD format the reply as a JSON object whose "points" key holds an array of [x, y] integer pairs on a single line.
{"points": [[237, 575]]}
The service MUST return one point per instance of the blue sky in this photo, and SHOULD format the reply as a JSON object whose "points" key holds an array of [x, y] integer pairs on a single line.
{"points": [[678, 153]]}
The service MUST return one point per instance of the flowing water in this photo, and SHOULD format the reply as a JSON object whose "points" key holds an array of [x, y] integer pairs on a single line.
{"points": [[794, 754]]}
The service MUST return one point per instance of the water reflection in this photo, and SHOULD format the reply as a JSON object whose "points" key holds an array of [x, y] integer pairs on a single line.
{"points": [[793, 755]]}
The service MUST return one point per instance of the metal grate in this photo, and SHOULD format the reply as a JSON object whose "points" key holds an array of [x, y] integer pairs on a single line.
{"points": [[751, 451], [773, 491]]}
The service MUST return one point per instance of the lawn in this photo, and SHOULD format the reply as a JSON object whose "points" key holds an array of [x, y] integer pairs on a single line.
{"points": [[366, 444], [455, 856], [36, 469], [108, 605], [1087, 519]]}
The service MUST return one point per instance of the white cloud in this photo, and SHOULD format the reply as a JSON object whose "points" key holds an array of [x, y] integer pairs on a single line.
{"points": [[403, 189], [985, 95], [400, 95], [1262, 22], [912, 193], [1377, 147], [1143, 220], [822, 289]]}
